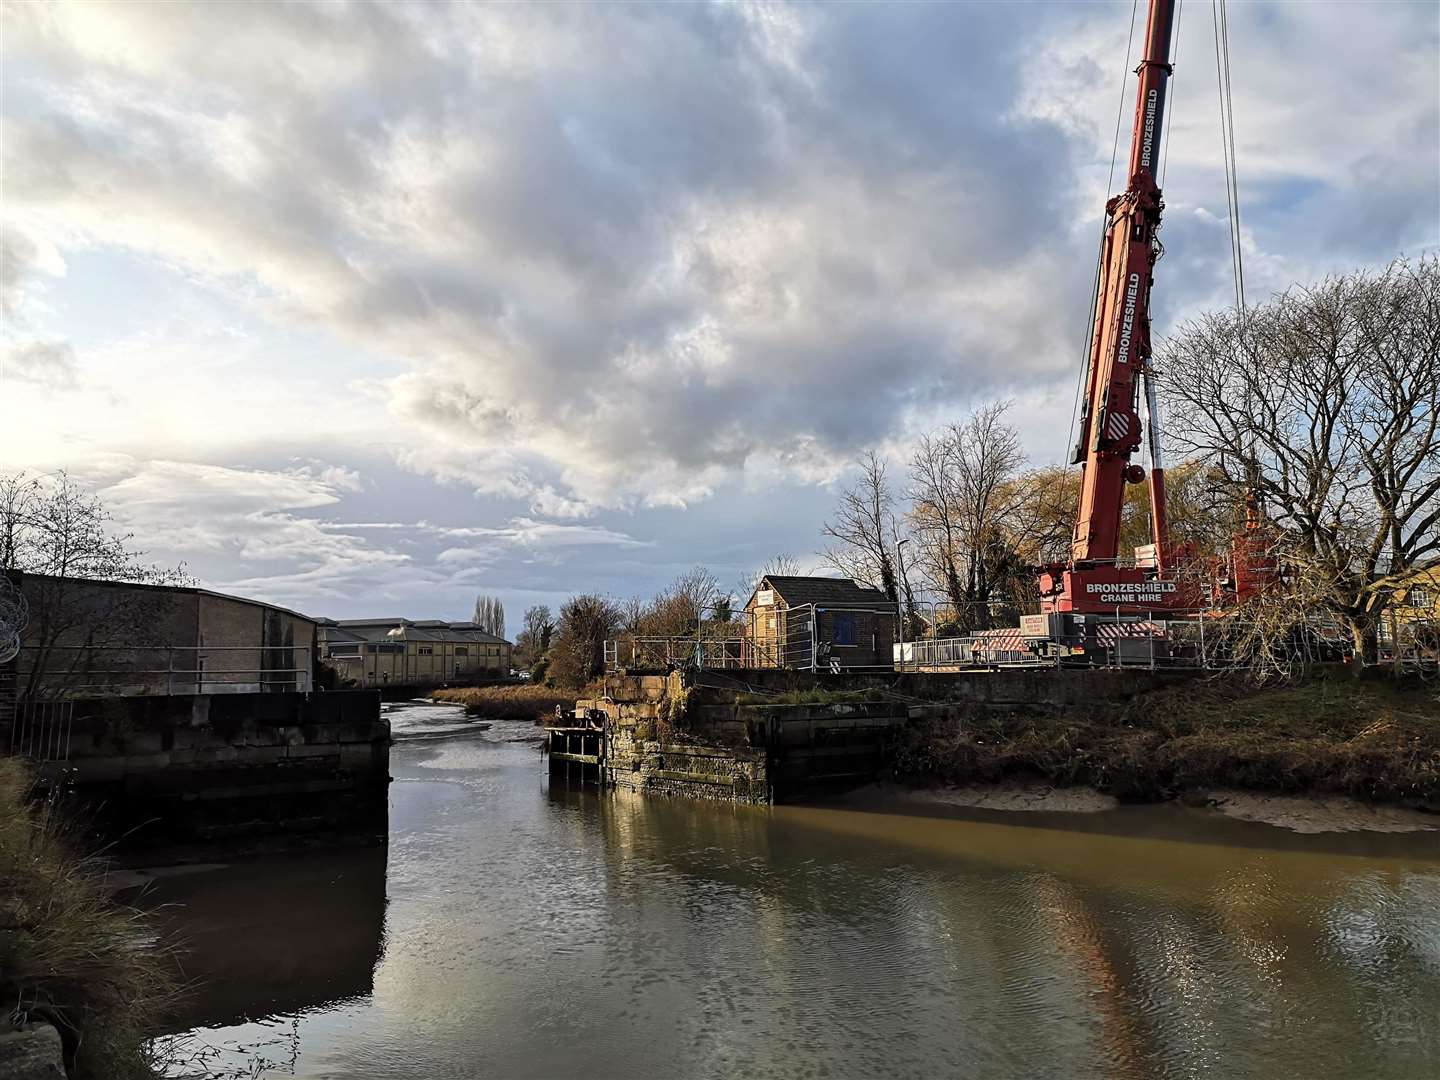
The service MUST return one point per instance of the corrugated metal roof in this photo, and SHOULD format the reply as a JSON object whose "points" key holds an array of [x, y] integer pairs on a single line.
{"points": [[408, 630], [193, 590]]}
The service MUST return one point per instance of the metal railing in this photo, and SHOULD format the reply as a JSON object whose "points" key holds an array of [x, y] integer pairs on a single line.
{"points": [[673, 652], [78, 671], [1196, 638], [40, 731], [807, 637]]}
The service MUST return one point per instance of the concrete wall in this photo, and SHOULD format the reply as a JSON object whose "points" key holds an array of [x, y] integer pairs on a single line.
{"points": [[205, 767], [1029, 686], [89, 637], [92, 639], [250, 648]]}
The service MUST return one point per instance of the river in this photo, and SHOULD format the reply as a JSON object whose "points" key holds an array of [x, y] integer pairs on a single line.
{"points": [[515, 929]]}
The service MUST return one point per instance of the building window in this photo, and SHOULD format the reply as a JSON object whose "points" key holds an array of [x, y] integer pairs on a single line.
{"points": [[462, 650], [1420, 598], [384, 648], [427, 650], [344, 650], [843, 630]]}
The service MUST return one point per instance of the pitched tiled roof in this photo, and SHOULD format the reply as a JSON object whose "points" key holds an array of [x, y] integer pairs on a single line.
{"points": [[825, 590]]}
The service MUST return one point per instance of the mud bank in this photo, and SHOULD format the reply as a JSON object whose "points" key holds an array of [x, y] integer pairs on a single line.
{"points": [[1310, 816], [1018, 797], [1294, 755], [1320, 814]]}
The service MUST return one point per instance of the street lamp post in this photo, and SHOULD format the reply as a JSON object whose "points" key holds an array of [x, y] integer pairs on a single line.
{"points": [[899, 606]]}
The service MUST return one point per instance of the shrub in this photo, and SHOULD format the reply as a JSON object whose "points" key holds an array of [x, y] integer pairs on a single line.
{"points": [[68, 955]]}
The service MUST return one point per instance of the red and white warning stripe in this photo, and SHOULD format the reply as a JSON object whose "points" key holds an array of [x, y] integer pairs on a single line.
{"points": [[1004, 640], [1117, 425], [1116, 631]]}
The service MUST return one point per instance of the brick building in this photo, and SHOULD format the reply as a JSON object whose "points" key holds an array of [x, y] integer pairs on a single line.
{"points": [[818, 623]]}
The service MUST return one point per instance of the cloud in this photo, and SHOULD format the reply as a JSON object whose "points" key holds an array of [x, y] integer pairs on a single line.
{"points": [[601, 260], [50, 364], [251, 523], [529, 533], [617, 283]]}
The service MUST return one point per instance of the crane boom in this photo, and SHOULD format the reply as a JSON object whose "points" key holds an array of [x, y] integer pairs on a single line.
{"points": [[1114, 415]]}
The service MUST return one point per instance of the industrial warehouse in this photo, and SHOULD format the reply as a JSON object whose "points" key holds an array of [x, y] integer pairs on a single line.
{"points": [[419, 654]]}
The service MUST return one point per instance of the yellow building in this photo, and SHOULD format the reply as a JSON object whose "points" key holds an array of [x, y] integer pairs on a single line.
{"points": [[1418, 597], [419, 653], [1413, 617]]}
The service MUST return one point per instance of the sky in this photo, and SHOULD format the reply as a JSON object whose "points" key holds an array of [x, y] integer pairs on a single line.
{"points": [[366, 309]]}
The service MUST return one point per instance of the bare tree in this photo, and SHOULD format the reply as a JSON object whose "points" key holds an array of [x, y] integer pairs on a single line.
{"points": [[533, 641], [579, 652], [782, 565], [962, 499], [632, 616], [1042, 505], [682, 608], [489, 615], [1323, 405], [862, 529], [53, 529]]}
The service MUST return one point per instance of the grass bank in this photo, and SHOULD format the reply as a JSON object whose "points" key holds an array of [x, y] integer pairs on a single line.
{"points": [[68, 955], [529, 703], [1374, 740]]}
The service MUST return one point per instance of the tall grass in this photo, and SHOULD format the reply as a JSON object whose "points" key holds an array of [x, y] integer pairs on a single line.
{"points": [[535, 704], [68, 955]]}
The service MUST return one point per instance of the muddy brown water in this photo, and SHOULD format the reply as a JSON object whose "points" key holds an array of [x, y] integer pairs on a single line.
{"points": [[513, 929]]}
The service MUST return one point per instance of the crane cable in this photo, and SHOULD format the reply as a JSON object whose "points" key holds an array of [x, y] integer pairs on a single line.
{"points": [[1220, 18], [1104, 223]]}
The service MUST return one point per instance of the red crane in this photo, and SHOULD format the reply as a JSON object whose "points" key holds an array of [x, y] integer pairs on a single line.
{"points": [[1114, 416]]}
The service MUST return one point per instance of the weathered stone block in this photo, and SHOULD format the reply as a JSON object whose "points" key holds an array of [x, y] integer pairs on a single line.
{"points": [[142, 762], [32, 1052], [356, 755], [312, 750], [259, 755]]}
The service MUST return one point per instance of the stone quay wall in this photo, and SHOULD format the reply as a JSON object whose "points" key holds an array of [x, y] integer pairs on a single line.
{"points": [[644, 749], [717, 734], [203, 767]]}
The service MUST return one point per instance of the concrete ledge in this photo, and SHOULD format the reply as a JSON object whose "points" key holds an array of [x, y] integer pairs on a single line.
{"points": [[176, 769]]}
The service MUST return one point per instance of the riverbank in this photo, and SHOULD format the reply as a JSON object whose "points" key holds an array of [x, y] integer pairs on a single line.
{"points": [[69, 957], [1310, 816], [1226, 744], [529, 703]]}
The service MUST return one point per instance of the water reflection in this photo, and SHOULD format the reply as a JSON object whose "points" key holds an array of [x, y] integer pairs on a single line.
{"points": [[274, 934], [543, 932]]}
